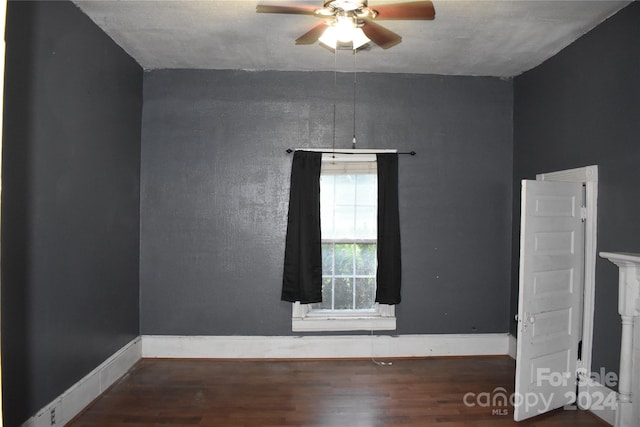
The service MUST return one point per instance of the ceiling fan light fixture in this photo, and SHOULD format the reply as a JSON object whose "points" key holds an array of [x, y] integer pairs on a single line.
{"points": [[343, 31], [329, 38], [359, 38]]}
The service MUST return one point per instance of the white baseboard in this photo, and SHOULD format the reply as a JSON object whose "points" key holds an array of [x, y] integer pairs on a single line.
{"points": [[78, 396], [341, 346], [601, 399], [513, 346]]}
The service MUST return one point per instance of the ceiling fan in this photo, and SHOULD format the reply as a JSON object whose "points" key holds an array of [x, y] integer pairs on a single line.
{"points": [[351, 22]]}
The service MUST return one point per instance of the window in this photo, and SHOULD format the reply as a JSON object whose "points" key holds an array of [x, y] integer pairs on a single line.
{"points": [[348, 212], [348, 218]]}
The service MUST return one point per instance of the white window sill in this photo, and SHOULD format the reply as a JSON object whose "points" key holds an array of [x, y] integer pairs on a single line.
{"points": [[305, 320]]}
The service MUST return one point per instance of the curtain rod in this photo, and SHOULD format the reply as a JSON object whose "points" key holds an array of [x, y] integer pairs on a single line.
{"points": [[338, 151]]}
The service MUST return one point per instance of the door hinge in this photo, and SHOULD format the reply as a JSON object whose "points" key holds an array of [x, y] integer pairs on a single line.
{"points": [[583, 213]]}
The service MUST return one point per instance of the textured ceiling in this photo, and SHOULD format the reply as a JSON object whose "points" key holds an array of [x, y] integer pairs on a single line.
{"points": [[487, 38]]}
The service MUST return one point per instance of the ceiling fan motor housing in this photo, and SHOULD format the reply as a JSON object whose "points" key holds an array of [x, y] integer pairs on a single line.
{"points": [[356, 8]]}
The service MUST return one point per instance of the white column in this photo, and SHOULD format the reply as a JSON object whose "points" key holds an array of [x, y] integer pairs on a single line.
{"points": [[629, 309]]}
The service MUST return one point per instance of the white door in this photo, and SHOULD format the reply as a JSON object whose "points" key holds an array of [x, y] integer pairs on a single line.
{"points": [[550, 297]]}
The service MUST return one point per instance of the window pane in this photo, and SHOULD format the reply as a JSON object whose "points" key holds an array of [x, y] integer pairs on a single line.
{"points": [[326, 205], [366, 224], [327, 294], [344, 260], [343, 294], [366, 259], [366, 190], [327, 259], [326, 182], [344, 221], [345, 189], [365, 293], [327, 222]]}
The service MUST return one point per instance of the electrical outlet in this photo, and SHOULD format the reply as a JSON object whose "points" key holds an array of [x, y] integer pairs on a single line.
{"points": [[53, 416]]}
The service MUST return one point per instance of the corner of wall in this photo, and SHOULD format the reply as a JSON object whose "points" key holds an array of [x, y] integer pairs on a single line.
{"points": [[76, 398]]}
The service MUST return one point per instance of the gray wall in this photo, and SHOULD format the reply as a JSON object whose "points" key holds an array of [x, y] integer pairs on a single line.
{"points": [[582, 107], [70, 202], [215, 183]]}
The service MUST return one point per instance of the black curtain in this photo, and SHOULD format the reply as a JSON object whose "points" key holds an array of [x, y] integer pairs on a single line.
{"points": [[389, 262], [302, 278]]}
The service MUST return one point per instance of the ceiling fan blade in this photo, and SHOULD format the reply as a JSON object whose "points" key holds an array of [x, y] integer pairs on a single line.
{"points": [[380, 35], [312, 36], [406, 11], [298, 10]]}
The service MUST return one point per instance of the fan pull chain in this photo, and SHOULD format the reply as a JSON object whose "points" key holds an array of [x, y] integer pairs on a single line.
{"points": [[355, 72], [335, 94]]}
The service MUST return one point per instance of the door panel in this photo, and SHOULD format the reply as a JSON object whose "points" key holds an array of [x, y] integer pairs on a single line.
{"points": [[549, 302]]}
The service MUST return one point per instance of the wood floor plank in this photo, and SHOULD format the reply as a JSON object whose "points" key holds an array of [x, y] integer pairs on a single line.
{"points": [[311, 393]]}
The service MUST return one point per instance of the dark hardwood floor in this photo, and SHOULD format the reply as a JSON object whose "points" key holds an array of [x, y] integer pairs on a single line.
{"points": [[342, 393]]}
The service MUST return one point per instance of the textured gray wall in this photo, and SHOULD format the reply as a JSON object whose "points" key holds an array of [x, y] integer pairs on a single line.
{"points": [[70, 202], [215, 183], [582, 107]]}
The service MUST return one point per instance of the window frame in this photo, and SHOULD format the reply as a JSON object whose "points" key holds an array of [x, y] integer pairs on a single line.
{"points": [[383, 317]]}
